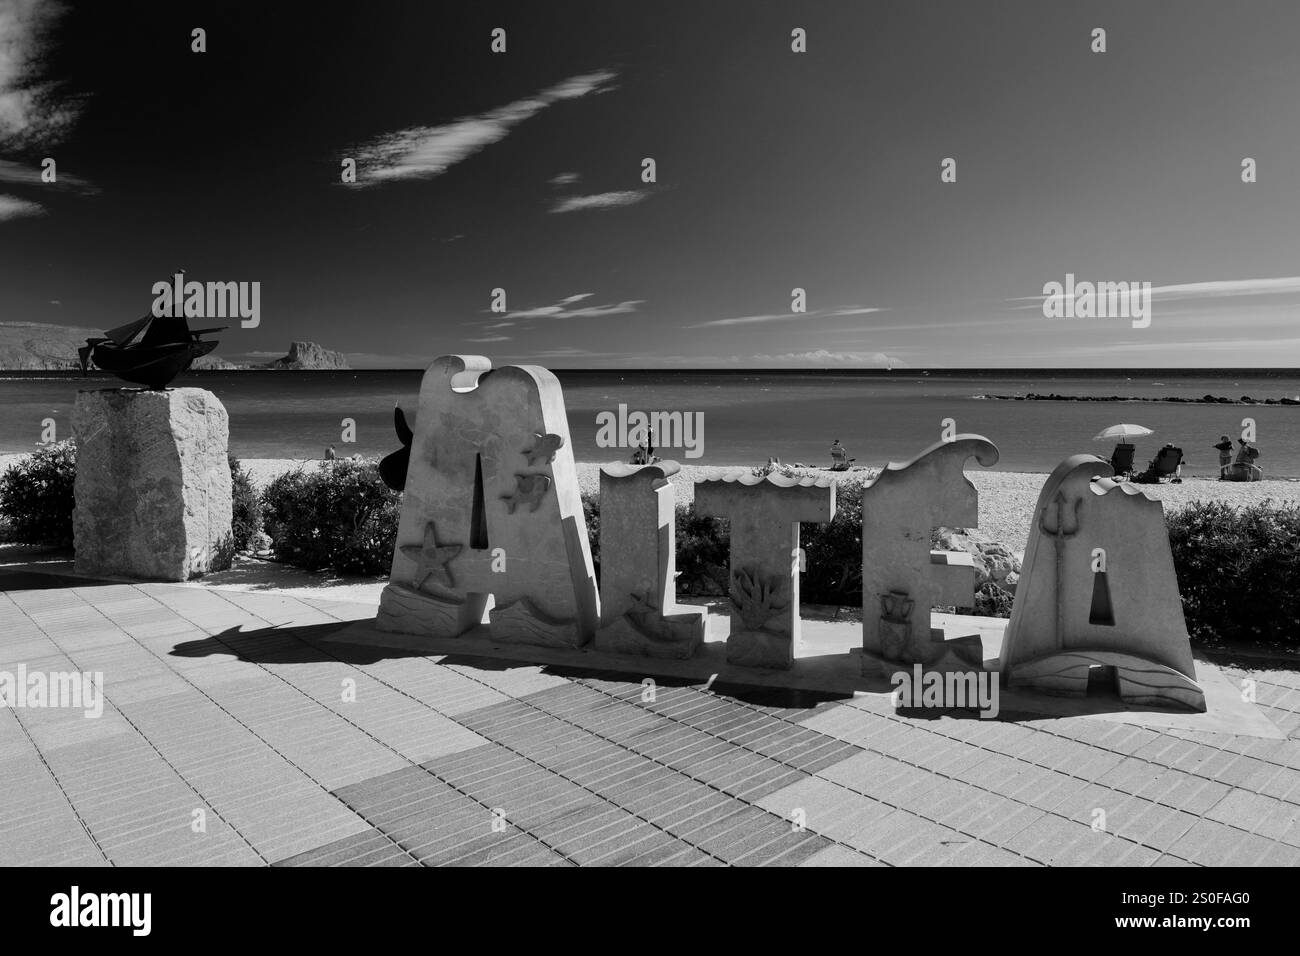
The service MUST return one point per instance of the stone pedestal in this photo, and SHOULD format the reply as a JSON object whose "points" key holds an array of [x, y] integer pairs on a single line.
{"points": [[153, 484]]}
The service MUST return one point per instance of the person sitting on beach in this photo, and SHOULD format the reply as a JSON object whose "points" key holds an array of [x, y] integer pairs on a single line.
{"points": [[330, 453], [1172, 456], [644, 454], [1224, 448], [839, 457], [1247, 453]]}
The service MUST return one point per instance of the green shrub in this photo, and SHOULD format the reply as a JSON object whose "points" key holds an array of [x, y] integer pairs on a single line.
{"points": [[591, 514], [1238, 570], [833, 553], [993, 601], [246, 507], [340, 516], [36, 498], [703, 550]]}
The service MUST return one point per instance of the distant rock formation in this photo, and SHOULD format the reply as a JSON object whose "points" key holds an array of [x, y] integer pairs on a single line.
{"points": [[39, 346], [214, 363], [307, 356]]}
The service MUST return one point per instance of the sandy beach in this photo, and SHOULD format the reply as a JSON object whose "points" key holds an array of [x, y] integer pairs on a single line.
{"points": [[1006, 498]]}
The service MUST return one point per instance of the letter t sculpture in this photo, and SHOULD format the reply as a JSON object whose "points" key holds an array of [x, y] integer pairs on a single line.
{"points": [[765, 514]]}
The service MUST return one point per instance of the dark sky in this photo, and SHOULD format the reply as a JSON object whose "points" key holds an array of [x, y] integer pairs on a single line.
{"points": [[775, 170]]}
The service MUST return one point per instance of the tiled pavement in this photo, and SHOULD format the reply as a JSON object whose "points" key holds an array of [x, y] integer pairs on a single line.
{"points": [[234, 733]]}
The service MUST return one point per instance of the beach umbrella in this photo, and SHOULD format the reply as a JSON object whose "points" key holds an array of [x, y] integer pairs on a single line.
{"points": [[1122, 432]]}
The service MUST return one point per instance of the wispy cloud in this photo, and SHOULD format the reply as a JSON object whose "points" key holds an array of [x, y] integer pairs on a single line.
{"points": [[1228, 287], [31, 111], [563, 310], [20, 174], [1259, 345], [626, 197], [564, 179], [786, 316], [594, 311], [1214, 289], [568, 352], [490, 338], [422, 152], [854, 310], [11, 207], [821, 358]]}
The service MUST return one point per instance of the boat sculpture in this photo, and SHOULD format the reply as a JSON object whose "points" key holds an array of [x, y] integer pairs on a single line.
{"points": [[151, 351]]}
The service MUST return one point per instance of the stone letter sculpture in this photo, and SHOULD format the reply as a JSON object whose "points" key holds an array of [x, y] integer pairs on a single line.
{"points": [[638, 600], [765, 514], [902, 579], [1098, 590], [491, 508]]}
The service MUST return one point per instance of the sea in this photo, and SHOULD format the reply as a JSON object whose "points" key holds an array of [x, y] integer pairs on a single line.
{"points": [[746, 417]]}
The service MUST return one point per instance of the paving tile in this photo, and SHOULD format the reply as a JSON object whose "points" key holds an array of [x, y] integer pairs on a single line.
{"points": [[231, 702], [835, 855]]}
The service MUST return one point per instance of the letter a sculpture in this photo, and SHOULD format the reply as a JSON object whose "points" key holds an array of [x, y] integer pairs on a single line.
{"points": [[491, 509], [1098, 590]]}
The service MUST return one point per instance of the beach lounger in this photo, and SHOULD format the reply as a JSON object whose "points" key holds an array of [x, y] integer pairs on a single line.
{"points": [[1167, 464], [1121, 460]]}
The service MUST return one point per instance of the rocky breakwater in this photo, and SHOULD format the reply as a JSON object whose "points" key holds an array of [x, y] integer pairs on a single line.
{"points": [[997, 568], [1203, 400]]}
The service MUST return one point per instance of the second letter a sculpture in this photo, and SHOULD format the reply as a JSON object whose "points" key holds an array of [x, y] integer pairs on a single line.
{"points": [[1098, 591]]}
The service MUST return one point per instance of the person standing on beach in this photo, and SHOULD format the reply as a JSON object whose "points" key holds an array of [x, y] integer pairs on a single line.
{"points": [[1224, 448]]}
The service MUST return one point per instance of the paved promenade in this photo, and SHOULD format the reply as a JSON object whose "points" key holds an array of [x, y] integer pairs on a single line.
{"points": [[236, 732]]}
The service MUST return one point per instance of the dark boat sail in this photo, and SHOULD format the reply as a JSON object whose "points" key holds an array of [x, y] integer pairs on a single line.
{"points": [[150, 351]]}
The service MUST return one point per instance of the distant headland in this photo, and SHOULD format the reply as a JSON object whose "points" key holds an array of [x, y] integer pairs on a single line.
{"points": [[39, 347]]}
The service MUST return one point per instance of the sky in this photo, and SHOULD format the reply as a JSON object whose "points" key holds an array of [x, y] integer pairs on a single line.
{"points": [[775, 170]]}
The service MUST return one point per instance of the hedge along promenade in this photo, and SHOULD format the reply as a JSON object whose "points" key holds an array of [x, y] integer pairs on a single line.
{"points": [[1236, 546]]}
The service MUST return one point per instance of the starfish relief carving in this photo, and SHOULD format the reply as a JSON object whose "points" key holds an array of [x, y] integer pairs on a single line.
{"points": [[431, 558]]}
